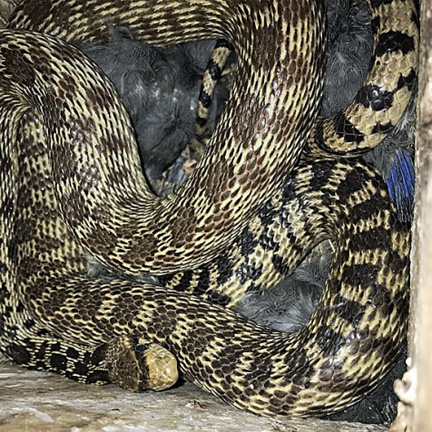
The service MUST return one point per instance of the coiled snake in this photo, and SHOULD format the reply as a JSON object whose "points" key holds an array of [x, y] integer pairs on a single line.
{"points": [[71, 185]]}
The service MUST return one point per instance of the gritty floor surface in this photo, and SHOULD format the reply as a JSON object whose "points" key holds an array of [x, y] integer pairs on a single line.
{"points": [[41, 402]]}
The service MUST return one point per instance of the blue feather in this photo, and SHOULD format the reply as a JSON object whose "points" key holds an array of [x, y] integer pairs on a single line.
{"points": [[401, 184]]}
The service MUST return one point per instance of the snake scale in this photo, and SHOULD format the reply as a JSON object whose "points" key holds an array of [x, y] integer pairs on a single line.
{"points": [[71, 185]]}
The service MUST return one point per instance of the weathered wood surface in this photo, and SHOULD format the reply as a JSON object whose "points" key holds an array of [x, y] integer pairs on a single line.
{"points": [[41, 402], [421, 340]]}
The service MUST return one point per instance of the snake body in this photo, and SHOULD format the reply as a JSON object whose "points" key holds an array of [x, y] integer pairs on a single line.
{"points": [[71, 183]]}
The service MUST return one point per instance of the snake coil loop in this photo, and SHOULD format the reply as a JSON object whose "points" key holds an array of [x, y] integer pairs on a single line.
{"points": [[71, 184]]}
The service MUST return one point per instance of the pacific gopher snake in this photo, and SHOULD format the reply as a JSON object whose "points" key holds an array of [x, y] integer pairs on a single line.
{"points": [[48, 323]]}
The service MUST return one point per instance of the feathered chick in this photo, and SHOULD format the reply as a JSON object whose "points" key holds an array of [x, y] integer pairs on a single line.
{"points": [[160, 88]]}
